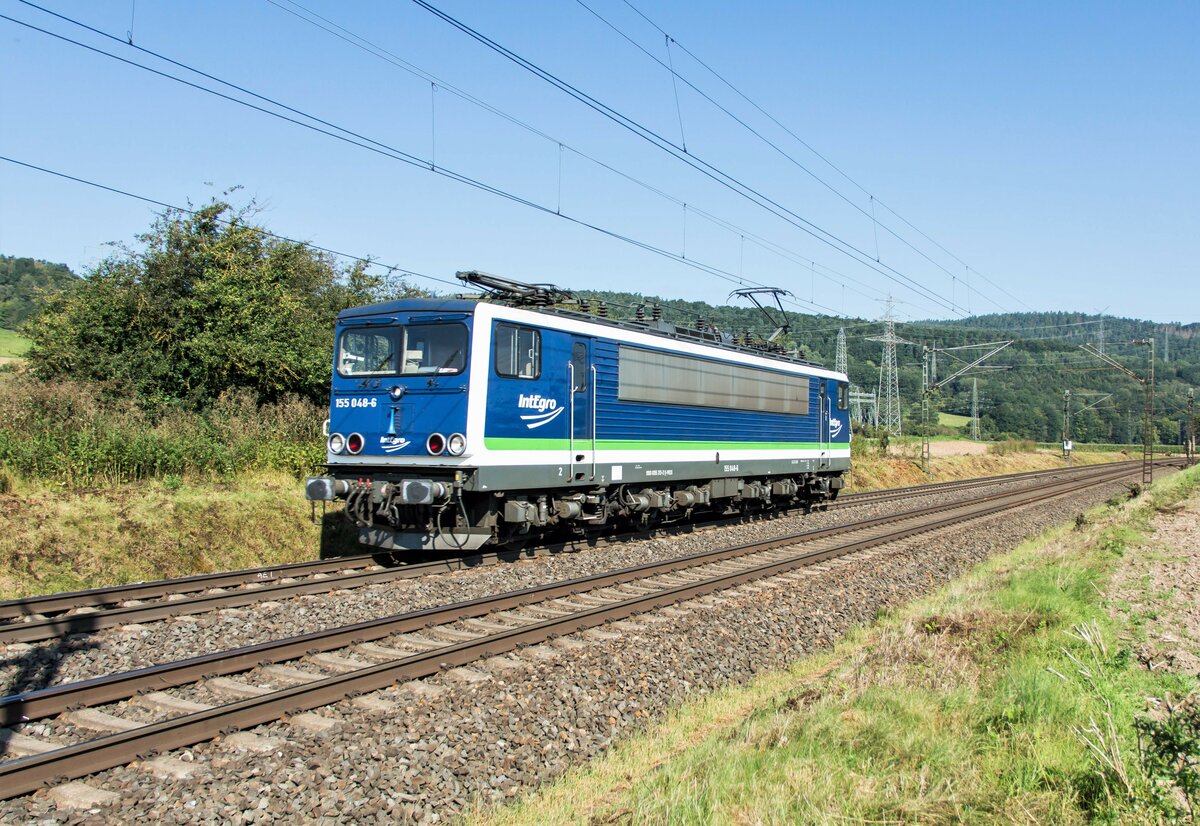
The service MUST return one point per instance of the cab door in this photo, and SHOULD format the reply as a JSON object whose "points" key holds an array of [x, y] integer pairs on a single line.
{"points": [[581, 375], [823, 413]]}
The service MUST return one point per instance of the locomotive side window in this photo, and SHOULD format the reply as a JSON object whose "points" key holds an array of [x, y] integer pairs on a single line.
{"points": [[518, 352], [843, 395], [579, 365]]}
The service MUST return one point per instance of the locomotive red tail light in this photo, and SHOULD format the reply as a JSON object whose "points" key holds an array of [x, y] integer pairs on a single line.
{"points": [[354, 443], [435, 444]]}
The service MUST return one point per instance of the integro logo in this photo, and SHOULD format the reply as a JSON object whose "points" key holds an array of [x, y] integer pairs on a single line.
{"points": [[835, 428], [536, 402], [547, 409]]}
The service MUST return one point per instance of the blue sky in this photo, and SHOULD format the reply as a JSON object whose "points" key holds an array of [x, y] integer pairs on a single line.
{"points": [[1049, 146]]}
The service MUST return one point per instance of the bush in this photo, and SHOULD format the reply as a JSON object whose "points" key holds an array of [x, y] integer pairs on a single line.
{"points": [[1011, 446], [208, 302], [1169, 748], [81, 434]]}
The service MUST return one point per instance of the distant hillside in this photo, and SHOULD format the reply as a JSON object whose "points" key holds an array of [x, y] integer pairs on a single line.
{"points": [[21, 282], [1024, 400]]}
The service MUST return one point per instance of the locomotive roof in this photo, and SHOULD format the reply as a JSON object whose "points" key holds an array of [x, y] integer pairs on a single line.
{"points": [[654, 327], [445, 305]]}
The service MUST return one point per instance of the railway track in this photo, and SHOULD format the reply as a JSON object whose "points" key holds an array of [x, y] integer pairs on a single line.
{"points": [[35, 619], [127, 716]]}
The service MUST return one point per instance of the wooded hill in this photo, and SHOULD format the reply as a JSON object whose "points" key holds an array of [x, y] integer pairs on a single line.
{"points": [[1026, 399], [22, 282]]}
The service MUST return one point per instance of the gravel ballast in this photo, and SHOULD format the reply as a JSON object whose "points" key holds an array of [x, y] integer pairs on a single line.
{"points": [[502, 726]]}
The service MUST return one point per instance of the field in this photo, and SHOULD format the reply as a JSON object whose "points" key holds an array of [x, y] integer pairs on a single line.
{"points": [[954, 420], [12, 345], [1042, 687]]}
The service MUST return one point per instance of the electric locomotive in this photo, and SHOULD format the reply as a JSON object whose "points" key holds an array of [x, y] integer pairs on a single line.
{"points": [[457, 423]]}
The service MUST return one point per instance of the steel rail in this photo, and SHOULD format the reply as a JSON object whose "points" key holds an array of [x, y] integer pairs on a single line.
{"points": [[27, 774], [966, 484], [37, 630]]}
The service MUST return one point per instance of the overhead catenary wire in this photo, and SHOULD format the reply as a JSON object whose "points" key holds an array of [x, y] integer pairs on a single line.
{"points": [[365, 260], [377, 146], [356, 139], [691, 159], [818, 154], [356, 40], [669, 67]]}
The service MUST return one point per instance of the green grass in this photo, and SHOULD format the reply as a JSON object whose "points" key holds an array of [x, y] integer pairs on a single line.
{"points": [[65, 540], [12, 345], [975, 705], [954, 420]]}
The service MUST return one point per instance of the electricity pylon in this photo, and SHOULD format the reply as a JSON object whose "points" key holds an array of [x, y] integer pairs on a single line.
{"points": [[864, 406], [889, 374], [930, 386], [1191, 451], [840, 361], [1147, 382], [975, 410]]}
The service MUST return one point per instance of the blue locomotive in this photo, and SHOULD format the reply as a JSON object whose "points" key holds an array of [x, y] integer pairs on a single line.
{"points": [[460, 423]]}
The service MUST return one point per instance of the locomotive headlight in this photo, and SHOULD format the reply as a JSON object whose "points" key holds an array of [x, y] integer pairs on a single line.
{"points": [[456, 444], [435, 444], [396, 392], [337, 442], [354, 443]]}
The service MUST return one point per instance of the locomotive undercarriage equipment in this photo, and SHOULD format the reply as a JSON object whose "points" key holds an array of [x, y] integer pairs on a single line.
{"points": [[412, 514]]}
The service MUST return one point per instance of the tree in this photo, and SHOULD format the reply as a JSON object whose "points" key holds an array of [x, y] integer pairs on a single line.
{"points": [[207, 302], [24, 283]]}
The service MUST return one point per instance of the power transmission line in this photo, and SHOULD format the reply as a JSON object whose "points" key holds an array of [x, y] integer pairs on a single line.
{"points": [[163, 204]]}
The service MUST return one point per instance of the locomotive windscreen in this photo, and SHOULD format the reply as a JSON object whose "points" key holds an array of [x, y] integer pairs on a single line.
{"points": [[414, 349], [668, 378]]}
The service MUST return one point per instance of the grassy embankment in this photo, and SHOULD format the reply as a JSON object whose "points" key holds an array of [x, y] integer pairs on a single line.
{"points": [[954, 420], [872, 471], [95, 491], [1009, 696]]}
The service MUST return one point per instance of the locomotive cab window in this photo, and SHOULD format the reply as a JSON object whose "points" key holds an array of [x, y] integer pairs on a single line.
{"points": [[418, 349], [843, 395], [434, 349], [367, 353], [518, 352]]}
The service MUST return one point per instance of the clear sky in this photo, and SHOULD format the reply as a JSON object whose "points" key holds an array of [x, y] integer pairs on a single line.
{"points": [[1051, 148]]}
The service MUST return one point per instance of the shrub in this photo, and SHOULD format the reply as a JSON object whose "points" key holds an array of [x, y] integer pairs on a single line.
{"points": [[1010, 446], [82, 434]]}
